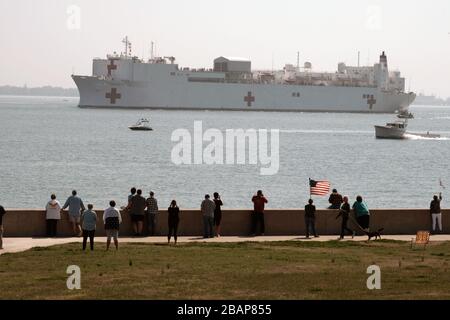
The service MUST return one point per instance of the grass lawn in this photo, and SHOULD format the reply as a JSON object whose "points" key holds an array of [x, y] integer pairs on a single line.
{"points": [[273, 270]]}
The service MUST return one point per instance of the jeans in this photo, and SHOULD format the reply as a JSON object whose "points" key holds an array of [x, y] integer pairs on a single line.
{"points": [[208, 227], [310, 223], [90, 234], [151, 223], [51, 227], [436, 219], [258, 217]]}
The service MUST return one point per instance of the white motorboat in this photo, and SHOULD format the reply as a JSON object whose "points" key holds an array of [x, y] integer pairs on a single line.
{"points": [[142, 125], [392, 130]]}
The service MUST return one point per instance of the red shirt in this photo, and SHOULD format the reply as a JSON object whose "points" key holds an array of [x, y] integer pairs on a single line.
{"points": [[258, 203]]}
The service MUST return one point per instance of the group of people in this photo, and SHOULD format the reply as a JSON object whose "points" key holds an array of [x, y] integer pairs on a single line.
{"points": [[339, 202], [84, 221]]}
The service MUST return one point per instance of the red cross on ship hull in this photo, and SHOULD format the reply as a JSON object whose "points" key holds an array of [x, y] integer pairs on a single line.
{"points": [[113, 95], [371, 102], [249, 98], [111, 66]]}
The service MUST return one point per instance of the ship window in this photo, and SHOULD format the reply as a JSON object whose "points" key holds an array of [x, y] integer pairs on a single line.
{"points": [[364, 96], [293, 94], [172, 73], [298, 94]]}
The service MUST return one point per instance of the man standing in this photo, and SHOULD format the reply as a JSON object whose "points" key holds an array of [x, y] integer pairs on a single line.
{"points": [[310, 218], [335, 200], [435, 211], [137, 211], [207, 207], [259, 202], [345, 213], [76, 207], [2, 213], [152, 210]]}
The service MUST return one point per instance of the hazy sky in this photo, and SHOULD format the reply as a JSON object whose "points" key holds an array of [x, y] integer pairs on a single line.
{"points": [[42, 41]]}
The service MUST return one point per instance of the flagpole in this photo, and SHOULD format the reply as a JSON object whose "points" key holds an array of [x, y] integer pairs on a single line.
{"points": [[310, 194]]}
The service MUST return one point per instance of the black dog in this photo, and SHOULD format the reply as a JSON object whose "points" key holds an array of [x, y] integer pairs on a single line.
{"points": [[374, 234]]}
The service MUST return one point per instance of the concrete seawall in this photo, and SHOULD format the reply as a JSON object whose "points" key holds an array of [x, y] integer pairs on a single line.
{"points": [[31, 223]]}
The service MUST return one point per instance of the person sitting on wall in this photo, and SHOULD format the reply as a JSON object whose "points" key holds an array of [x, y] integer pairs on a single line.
{"points": [[310, 219], [335, 199]]}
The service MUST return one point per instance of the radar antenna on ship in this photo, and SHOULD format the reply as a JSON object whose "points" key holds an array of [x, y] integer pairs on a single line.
{"points": [[127, 44]]}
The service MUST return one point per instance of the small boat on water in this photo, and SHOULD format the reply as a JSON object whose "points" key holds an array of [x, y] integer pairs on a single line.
{"points": [[397, 130], [392, 130], [405, 115], [142, 125]]}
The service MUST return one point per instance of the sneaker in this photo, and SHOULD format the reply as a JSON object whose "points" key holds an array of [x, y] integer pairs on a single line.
{"points": [[316, 236]]}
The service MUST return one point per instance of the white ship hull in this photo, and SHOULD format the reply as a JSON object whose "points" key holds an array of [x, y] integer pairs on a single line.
{"points": [[228, 96], [126, 82]]}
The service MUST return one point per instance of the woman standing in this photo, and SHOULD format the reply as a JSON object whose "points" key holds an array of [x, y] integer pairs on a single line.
{"points": [[217, 213], [362, 213], [174, 219], [53, 214], [112, 220]]}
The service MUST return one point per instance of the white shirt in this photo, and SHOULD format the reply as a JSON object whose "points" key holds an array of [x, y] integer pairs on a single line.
{"points": [[110, 213], [53, 209]]}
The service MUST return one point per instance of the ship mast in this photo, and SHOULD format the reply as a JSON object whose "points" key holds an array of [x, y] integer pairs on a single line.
{"points": [[127, 44]]}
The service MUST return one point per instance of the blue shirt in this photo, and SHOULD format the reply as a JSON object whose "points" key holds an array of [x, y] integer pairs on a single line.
{"points": [[75, 205], [89, 218]]}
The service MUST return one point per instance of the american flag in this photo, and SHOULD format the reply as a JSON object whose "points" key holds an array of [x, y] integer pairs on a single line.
{"points": [[319, 188]]}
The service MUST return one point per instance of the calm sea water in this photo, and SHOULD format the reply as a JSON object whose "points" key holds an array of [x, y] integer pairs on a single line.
{"points": [[50, 145]]}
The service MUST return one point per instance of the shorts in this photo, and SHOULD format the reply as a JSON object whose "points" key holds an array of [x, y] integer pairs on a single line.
{"points": [[137, 217], [112, 233], [74, 219]]}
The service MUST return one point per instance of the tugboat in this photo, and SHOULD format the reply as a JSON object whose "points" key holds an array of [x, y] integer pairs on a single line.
{"points": [[142, 125], [392, 130]]}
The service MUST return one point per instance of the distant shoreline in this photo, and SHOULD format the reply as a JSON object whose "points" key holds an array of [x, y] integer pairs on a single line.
{"points": [[48, 91]]}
